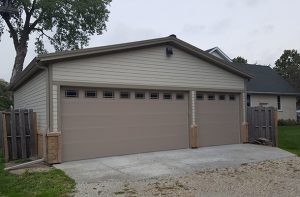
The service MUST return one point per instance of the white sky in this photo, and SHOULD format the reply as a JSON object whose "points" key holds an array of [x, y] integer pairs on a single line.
{"points": [[258, 30]]}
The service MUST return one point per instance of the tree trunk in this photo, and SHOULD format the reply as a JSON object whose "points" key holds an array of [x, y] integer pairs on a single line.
{"points": [[21, 52]]}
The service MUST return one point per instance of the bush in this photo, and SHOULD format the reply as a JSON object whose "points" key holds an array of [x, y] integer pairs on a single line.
{"points": [[288, 122]]}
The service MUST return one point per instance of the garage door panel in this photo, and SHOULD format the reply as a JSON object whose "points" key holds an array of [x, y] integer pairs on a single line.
{"points": [[130, 121], [124, 132], [118, 147], [218, 121], [121, 106], [94, 148], [104, 127]]}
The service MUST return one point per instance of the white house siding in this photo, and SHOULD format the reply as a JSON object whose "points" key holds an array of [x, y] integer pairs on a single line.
{"points": [[148, 67], [32, 95], [288, 104]]}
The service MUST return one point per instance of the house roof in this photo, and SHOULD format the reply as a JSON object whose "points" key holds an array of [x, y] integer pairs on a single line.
{"points": [[266, 80], [219, 52], [47, 59]]}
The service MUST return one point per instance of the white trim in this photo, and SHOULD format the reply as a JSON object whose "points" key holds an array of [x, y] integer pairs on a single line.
{"points": [[276, 93], [193, 93], [244, 100]]}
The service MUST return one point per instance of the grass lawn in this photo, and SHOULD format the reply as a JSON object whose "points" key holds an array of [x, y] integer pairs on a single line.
{"points": [[45, 184], [289, 139]]}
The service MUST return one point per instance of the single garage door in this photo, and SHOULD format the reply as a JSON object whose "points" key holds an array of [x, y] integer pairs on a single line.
{"points": [[99, 123], [218, 118]]}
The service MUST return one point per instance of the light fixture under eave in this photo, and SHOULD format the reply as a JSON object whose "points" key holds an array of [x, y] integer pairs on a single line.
{"points": [[169, 51]]}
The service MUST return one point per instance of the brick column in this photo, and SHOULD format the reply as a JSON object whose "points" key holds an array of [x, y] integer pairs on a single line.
{"points": [[54, 147]]}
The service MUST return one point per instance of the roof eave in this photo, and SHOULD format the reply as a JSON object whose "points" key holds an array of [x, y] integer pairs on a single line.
{"points": [[275, 93], [59, 56], [30, 70]]}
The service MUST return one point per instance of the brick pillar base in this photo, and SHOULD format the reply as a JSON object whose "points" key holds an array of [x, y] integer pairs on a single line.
{"points": [[40, 146], [54, 147], [194, 136], [244, 132]]}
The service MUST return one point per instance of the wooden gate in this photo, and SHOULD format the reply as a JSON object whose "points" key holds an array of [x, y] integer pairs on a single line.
{"points": [[18, 134], [262, 124]]}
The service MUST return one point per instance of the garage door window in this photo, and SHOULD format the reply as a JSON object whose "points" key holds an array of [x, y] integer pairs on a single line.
{"points": [[154, 95], [108, 94], [91, 94], [140, 95], [71, 93], [199, 96], [179, 96], [231, 97], [167, 96], [222, 97], [125, 95], [211, 97]]}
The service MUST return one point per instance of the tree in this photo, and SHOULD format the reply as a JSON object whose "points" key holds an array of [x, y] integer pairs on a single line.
{"points": [[288, 66], [5, 97], [67, 24], [239, 59]]}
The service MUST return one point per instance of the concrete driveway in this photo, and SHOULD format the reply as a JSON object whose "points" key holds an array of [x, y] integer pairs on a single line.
{"points": [[175, 162]]}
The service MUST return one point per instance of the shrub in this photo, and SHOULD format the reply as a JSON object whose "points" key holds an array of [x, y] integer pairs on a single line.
{"points": [[288, 122]]}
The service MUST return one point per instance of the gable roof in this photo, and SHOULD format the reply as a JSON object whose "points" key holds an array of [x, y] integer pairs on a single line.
{"points": [[171, 40], [219, 52], [266, 80]]}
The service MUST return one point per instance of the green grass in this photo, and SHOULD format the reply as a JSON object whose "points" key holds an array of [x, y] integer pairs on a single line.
{"points": [[289, 139], [44, 184]]}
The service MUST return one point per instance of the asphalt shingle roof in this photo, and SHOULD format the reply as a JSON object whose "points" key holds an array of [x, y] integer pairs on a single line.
{"points": [[265, 79]]}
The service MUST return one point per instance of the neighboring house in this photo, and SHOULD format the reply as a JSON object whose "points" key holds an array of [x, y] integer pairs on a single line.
{"points": [[216, 51], [134, 97], [267, 88]]}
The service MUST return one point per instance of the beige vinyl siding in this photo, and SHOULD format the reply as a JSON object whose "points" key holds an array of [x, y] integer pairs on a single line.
{"points": [[148, 67], [32, 95], [288, 104]]}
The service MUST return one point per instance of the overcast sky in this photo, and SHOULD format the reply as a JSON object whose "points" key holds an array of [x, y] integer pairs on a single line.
{"points": [[258, 30]]}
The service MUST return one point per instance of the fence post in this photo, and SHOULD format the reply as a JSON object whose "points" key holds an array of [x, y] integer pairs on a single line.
{"points": [[13, 134], [1, 132], [276, 127], [5, 144], [32, 129], [22, 133]]}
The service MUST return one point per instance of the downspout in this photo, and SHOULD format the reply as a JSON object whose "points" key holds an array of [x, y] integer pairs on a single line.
{"points": [[44, 133]]}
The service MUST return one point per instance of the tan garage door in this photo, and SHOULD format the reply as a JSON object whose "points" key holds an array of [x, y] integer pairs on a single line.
{"points": [[94, 126], [218, 118]]}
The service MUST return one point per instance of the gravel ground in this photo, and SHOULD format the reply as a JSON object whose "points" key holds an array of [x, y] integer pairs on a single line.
{"points": [[268, 178]]}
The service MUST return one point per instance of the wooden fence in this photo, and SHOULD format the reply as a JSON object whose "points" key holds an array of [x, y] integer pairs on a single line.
{"points": [[18, 134], [262, 124]]}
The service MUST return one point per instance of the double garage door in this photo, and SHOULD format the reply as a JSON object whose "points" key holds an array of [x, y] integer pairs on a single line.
{"points": [[100, 122]]}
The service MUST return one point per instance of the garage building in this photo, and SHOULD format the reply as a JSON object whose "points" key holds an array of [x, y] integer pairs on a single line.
{"points": [[144, 96]]}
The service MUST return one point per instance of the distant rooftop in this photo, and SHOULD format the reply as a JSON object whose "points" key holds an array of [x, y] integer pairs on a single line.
{"points": [[216, 51], [265, 79]]}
